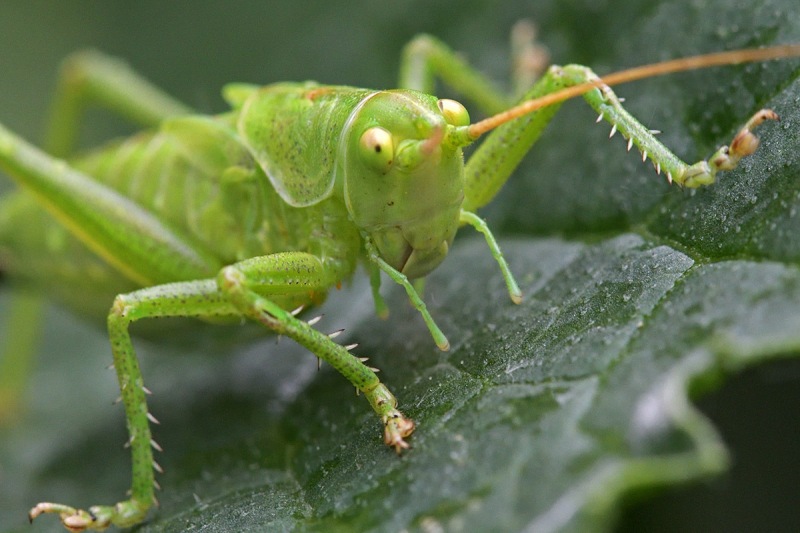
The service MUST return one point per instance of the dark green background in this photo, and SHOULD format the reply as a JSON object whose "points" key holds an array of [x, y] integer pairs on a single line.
{"points": [[574, 184]]}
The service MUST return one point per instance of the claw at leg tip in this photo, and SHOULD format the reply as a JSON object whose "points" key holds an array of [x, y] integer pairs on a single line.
{"points": [[395, 432]]}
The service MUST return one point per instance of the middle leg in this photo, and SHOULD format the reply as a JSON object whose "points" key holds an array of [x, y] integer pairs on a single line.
{"points": [[261, 289]]}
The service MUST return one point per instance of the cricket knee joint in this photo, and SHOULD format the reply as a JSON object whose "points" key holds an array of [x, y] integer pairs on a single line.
{"points": [[232, 282], [416, 71], [230, 279], [77, 68], [421, 46], [572, 75], [120, 310]]}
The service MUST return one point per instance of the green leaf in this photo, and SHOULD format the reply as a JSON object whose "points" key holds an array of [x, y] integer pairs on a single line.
{"points": [[543, 416]]}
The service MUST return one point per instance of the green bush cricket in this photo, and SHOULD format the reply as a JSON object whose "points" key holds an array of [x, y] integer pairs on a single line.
{"points": [[259, 211]]}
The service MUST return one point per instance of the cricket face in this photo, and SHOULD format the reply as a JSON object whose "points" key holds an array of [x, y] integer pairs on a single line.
{"points": [[403, 185]]}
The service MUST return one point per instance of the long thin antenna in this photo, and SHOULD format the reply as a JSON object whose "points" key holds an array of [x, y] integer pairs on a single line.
{"points": [[733, 57]]}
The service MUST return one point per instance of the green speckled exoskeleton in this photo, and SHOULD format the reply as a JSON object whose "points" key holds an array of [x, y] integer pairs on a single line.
{"points": [[257, 212]]}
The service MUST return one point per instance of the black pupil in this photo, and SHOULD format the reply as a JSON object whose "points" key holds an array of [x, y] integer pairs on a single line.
{"points": [[377, 148]]}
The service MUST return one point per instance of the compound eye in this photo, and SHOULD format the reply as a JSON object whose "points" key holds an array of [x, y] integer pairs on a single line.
{"points": [[377, 147], [453, 112]]}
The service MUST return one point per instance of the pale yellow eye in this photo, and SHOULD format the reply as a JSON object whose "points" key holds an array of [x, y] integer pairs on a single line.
{"points": [[453, 112], [377, 147]]}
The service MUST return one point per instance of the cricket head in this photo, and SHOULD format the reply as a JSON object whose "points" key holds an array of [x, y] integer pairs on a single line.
{"points": [[403, 178]]}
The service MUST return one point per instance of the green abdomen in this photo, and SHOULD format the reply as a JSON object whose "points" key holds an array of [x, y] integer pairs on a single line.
{"points": [[196, 175], [217, 206]]}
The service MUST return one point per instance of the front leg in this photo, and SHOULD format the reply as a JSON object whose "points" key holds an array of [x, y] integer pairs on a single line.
{"points": [[426, 58], [501, 152]]}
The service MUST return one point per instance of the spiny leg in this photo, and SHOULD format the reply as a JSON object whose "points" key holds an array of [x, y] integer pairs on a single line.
{"points": [[240, 283], [239, 290], [200, 298], [425, 58], [605, 102], [500, 153]]}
